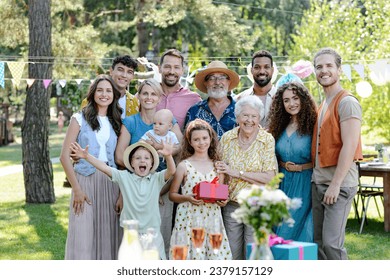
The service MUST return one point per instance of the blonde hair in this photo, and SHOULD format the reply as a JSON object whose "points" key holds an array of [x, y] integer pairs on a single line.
{"points": [[156, 86]]}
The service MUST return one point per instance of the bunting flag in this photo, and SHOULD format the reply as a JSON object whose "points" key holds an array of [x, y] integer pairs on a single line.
{"points": [[360, 69], [78, 81], [62, 83], [30, 82], [379, 74], [16, 69], [347, 71], [46, 83], [2, 74]]}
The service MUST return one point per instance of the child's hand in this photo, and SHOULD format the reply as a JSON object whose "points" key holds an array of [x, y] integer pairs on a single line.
{"points": [[195, 201], [161, 201], [222, 203], [167, 148], [77, 151]]}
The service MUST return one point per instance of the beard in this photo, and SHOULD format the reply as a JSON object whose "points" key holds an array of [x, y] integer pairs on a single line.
{"points": [[170, 82], [217, 93], [262, 83]]}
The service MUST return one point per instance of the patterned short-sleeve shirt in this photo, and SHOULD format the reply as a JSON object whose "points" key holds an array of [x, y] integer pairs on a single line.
{"points": [[202, 111], [259, 157]]}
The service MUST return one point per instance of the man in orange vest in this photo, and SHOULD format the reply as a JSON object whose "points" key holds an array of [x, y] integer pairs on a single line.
{"points": [[336, 145]]}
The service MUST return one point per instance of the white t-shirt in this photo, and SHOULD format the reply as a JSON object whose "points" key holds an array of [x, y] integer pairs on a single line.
{"points": [[122, 104], [159, 138], [102, 135]]}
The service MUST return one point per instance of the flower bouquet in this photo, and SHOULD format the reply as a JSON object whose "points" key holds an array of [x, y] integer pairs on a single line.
{"points": [[263, 207]]}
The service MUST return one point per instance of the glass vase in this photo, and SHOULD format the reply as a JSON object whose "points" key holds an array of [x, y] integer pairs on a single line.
{"points": [[261, 251]]}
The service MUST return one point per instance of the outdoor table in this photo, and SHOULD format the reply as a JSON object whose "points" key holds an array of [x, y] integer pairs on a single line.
{"points": [[380, 170]]}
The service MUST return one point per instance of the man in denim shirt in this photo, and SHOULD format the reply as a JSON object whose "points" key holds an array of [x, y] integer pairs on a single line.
{"points": [[218, 109]]}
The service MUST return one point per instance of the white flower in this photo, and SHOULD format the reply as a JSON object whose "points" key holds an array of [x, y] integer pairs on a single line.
{"points": [[260, 205], [295, 203], [265, 216], [243, 195], [290, 222], [240, 214]]}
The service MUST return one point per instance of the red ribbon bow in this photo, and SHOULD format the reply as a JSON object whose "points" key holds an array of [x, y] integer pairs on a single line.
{"points": [[195, 190]]}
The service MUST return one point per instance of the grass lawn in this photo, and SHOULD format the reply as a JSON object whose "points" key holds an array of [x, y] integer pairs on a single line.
{"points": [[38, 231], [32, 231], [12, 153]]}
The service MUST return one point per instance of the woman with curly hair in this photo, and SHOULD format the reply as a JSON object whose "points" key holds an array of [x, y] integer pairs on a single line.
{"points": [[292, 118]]}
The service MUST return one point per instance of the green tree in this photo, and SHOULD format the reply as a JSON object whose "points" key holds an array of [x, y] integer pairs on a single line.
{"points": [[197, 25], [359, 31]]}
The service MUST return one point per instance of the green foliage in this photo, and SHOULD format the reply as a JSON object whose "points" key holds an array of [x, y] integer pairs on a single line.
{"points": [[86, 34], [359, 31], [14, 31], [263, 207], [199, 23]]}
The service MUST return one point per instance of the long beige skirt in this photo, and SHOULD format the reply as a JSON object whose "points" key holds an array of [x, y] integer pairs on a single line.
{"points": [[95, 234]]}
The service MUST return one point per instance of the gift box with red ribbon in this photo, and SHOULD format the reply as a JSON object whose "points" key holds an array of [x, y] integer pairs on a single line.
{"points": [[211, 191]]}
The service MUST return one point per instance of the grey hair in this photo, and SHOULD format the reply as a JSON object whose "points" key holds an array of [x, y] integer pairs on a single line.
{"points": [[252, 101]]}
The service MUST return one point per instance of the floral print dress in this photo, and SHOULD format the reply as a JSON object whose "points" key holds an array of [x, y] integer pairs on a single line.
{"points": [[208, 211]]}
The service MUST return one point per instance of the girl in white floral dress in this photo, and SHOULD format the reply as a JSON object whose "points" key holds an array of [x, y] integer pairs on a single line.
{"points": [[198, 155]]}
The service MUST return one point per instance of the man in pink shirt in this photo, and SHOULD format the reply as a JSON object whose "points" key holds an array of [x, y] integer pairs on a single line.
{"points": [[178, 100], [175, 98]]}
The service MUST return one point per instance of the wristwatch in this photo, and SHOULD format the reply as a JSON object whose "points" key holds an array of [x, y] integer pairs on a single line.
{"points": [[241, 173]]}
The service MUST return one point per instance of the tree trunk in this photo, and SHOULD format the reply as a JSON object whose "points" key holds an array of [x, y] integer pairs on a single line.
{"points": [[37, 167], [142, 32]]}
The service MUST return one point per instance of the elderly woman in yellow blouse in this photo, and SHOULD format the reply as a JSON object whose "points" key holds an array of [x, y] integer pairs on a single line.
{"points": [[248, 154]]}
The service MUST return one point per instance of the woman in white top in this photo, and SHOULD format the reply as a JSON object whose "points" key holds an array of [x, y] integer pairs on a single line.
{"points": [[93, 231]]}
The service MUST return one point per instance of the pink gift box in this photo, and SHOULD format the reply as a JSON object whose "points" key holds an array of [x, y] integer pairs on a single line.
{"points": [[211, 191]]}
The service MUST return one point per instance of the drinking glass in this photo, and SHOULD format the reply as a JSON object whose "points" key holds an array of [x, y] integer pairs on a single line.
{"points": [[197, 232], [215, 234], [179, 246]]}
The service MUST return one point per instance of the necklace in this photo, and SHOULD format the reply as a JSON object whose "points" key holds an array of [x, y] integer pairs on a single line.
{"points": [[248, 142]]}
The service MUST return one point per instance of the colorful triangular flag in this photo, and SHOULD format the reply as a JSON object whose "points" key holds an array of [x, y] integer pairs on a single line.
{"points": [[46, 82], [16, 68], [2, 74], [78, 81], [360, 69], [347, 71], [30, 82], [62, 83]]}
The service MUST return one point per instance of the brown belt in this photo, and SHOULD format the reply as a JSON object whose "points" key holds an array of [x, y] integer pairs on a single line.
{"points": [[292, 167]]}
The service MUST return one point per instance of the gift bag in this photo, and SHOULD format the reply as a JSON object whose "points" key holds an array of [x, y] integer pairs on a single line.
{"points": [[212, 191]]}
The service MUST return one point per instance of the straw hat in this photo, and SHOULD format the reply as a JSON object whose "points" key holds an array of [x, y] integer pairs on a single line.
{"points": [[130, 148], [213, 67]]}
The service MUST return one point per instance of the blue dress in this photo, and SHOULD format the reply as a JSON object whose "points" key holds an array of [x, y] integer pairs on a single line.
{"points": [[296, 148]]}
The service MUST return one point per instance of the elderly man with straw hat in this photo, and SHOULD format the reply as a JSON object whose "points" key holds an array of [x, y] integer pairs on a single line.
{"points": [[218, 109]]}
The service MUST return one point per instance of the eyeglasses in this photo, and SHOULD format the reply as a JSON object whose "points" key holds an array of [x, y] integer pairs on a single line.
{"points": [[217, 78]]}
